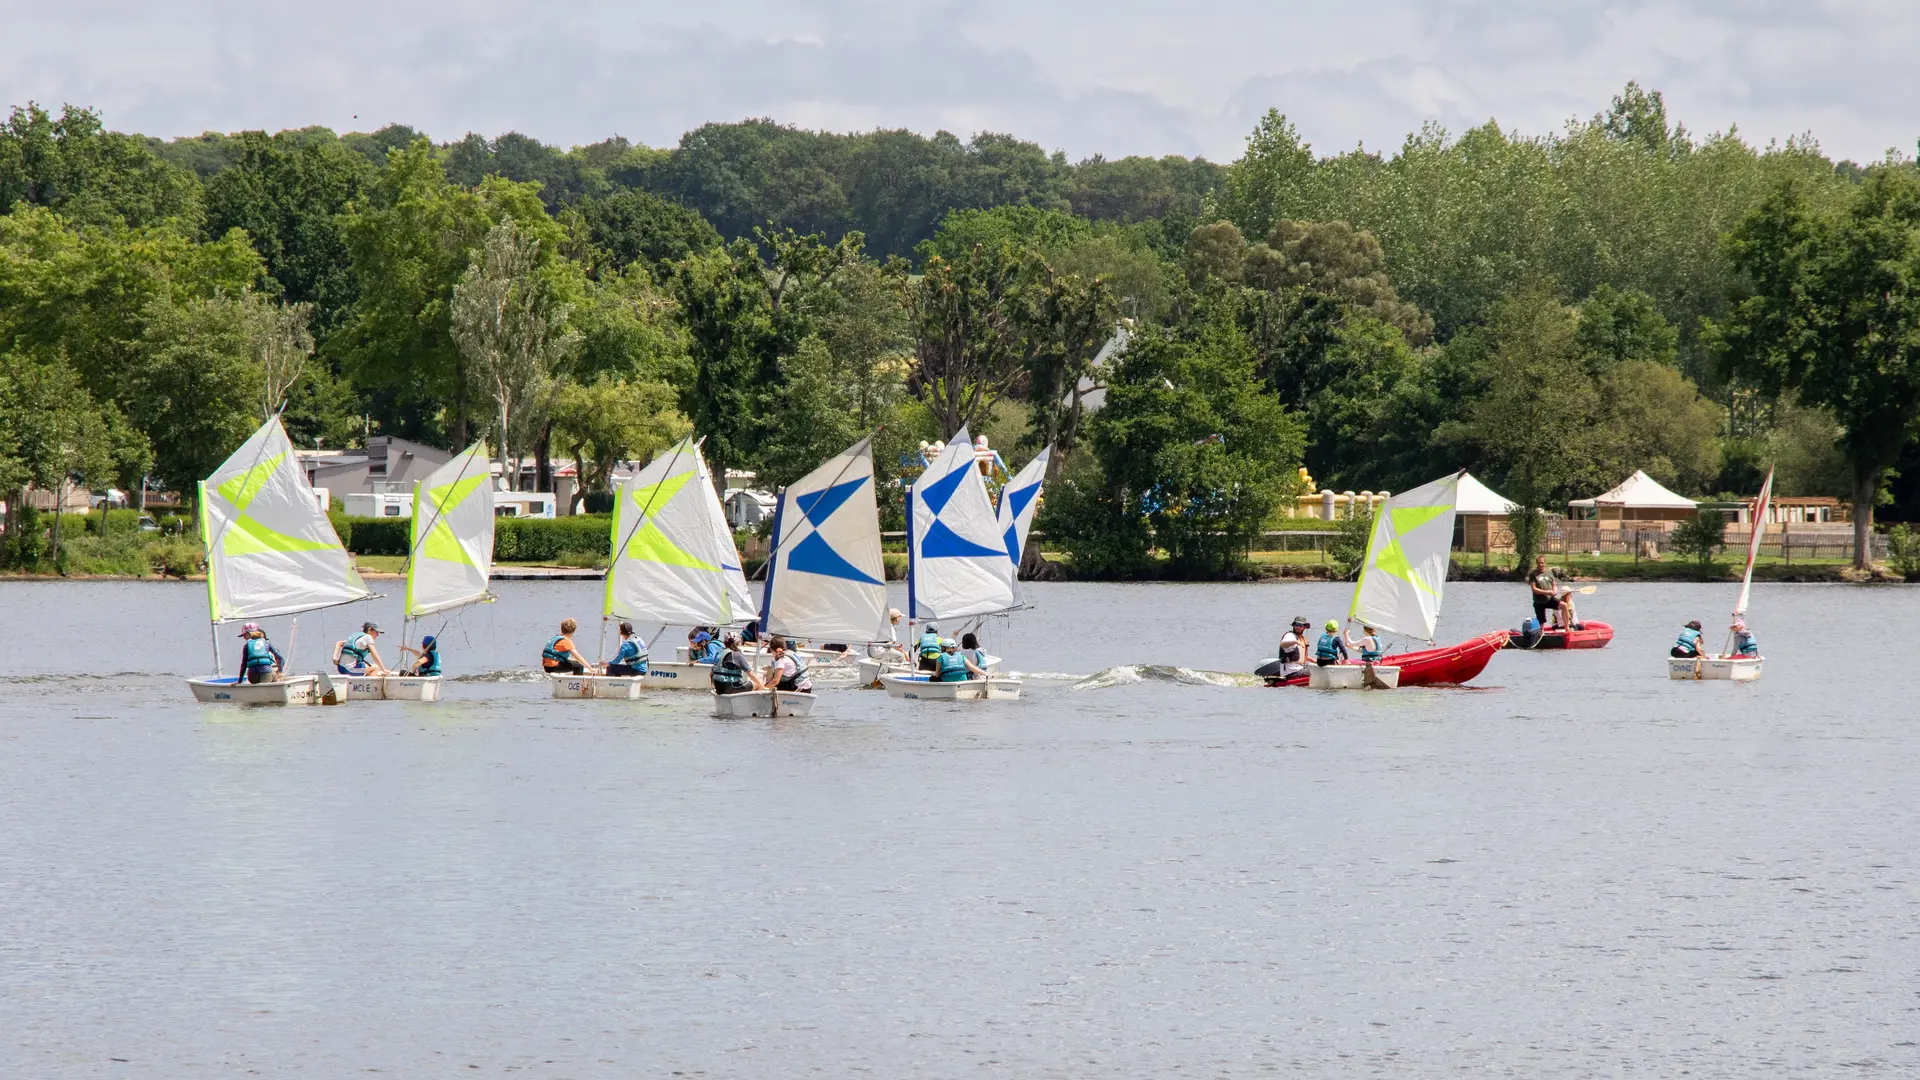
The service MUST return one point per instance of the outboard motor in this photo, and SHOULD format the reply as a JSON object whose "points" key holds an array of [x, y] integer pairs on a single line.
{"points": [[1530, 633]]}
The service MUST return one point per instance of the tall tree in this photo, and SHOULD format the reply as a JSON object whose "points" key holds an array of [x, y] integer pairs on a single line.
{"points": [[513, 331], [72, 165], [1831, 309]]}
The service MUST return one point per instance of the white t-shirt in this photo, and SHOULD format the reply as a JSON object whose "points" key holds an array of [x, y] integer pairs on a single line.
{"points": [[1292, 666], [785, 668]]}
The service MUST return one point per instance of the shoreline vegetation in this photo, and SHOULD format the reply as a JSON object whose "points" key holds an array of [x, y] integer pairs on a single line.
{"points": [[1200, 344]]}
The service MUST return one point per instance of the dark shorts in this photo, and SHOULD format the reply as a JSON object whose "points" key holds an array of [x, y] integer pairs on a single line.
{"points": [[1327, 663], [928, 663], [625, 669], [345, 670], [568, 667], [1541, 607], [260, 674], [1679, 653]]}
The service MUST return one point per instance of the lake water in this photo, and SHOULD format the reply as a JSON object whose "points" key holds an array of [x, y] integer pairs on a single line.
{"points": [[1577, 869]]}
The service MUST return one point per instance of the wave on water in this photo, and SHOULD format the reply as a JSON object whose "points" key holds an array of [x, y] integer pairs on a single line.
{"points": [[509, 675], [84, 677], [1128, 674], [1044, 676]]}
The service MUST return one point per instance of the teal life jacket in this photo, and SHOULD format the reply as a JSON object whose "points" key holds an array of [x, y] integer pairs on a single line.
{"points": [[257, 653], [728, 676], [1369, 656], [551, 655], [1329, 648], [430, 662], [1689, 640], [978, 656], [929, 646], [353, 653], [792, 682], [953, 667], [1745, 645], [632, 653]]}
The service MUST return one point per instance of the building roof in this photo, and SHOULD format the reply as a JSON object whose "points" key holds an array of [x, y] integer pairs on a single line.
{"points": [[1474, 497], [1640, 492]]}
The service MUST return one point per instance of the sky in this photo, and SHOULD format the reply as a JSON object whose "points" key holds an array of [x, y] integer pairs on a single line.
{"points": [[1114, 77]]}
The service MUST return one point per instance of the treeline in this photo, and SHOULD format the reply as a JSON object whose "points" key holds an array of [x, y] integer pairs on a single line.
{"points": [[1551, 311]]}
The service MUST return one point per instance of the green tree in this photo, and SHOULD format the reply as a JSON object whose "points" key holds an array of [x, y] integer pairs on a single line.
{"points": [[52, 434], [512, 329], [1700, 538], [1652, 417], [639, 226], [970, 317], [89, 175], [1618, 326], [1828, 311], [197, 386], [610, 420]]}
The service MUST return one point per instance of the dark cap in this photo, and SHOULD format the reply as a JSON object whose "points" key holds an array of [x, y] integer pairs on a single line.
{"points": [[1301, 620]]}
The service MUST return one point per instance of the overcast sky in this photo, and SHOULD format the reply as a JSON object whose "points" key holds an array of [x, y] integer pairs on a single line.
{"points": [[1085, 76]]}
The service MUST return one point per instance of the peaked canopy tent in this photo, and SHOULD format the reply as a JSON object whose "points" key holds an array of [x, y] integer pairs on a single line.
{"points": [[1637, 498], [1480, 516]]}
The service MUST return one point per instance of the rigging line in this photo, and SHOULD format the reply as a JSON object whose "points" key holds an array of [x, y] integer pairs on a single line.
{"points": [[413, 549], [851, 458], [213, 542], [614, 558]]}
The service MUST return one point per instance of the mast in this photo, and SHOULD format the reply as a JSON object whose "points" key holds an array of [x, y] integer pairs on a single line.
{"points": [[1758, 529]]}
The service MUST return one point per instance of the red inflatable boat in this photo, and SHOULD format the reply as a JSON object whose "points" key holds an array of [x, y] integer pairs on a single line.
{"points": [[1584, 635], [1448, 665]]}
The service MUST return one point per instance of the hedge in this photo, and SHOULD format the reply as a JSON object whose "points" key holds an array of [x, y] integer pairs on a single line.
{"points": [[514, 539]]}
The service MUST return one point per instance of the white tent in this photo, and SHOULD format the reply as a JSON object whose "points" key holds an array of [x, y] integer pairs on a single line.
{"points": [[1638, 496], [1477, 498]]}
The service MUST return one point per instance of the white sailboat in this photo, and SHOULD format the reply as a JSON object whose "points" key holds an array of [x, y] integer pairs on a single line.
{"points": [[663, 569], [270, 551], [1019, 501], [1401, 580], [825, 576], [958, 564], [1732, 668], [449, 562]]}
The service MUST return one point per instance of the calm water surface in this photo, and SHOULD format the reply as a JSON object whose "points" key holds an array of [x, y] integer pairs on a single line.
{"points": [[1579, 869]]}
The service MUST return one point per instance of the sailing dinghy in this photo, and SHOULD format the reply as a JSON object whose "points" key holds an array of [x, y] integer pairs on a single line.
{"points": [[1401, 583], [449, 563], [958, 565], [270, 551], [663, 568], [825, 576], [1732, 668]]}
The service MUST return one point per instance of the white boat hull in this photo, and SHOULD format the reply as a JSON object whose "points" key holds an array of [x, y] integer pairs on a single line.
{"points": [[1705, 668], [291, 690], [392, 687], [750, 703], [678, 677], [603, 687], [871, 670], [1352, 676], [920, 688]]}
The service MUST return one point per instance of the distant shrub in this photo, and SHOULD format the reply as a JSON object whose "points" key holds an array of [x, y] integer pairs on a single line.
{"points": [[1700, 537], [1903, 548]]}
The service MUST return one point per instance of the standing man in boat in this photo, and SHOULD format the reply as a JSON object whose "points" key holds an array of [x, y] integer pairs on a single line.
{"points": [[1546, 591]]}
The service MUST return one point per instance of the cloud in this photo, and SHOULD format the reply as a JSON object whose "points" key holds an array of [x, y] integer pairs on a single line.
{"points": [[1118, 77]]}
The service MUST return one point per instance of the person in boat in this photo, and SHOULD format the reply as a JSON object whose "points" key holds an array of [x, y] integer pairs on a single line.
{"points": [[1687, 645], [1366, 646], [929, 649], [560, 657], [970, 648], [1331, 649], [259, 660], [1293, 647], [429, 657], [749, 633], [1545, 589], [631, 660], [706, 649], [889, 649], [786, 674], [357, 655], [956, 665], [731, 673], [1744, 645]]}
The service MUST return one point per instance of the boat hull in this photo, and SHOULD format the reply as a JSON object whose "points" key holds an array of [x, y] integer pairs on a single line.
{"points": [[752, 703], [393, 687], [920, 688], [1707, 669], [1586, 635], [291, 690], [603, 687], [1353, 677], [677, 676], [1448, 665]]}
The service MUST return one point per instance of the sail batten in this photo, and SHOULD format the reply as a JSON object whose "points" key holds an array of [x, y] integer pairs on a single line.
{"points": [[826, 578], [270, 548], [1405, 570], [959, 564], [451, 559]]}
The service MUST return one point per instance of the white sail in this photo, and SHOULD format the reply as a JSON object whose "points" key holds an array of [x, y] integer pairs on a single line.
{"points": [[826, 578], [1019, 501], [1406, 564], [1758, 530], [663, 567], [740, 603], [451, 557], [957, 558], [270, 548]]}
